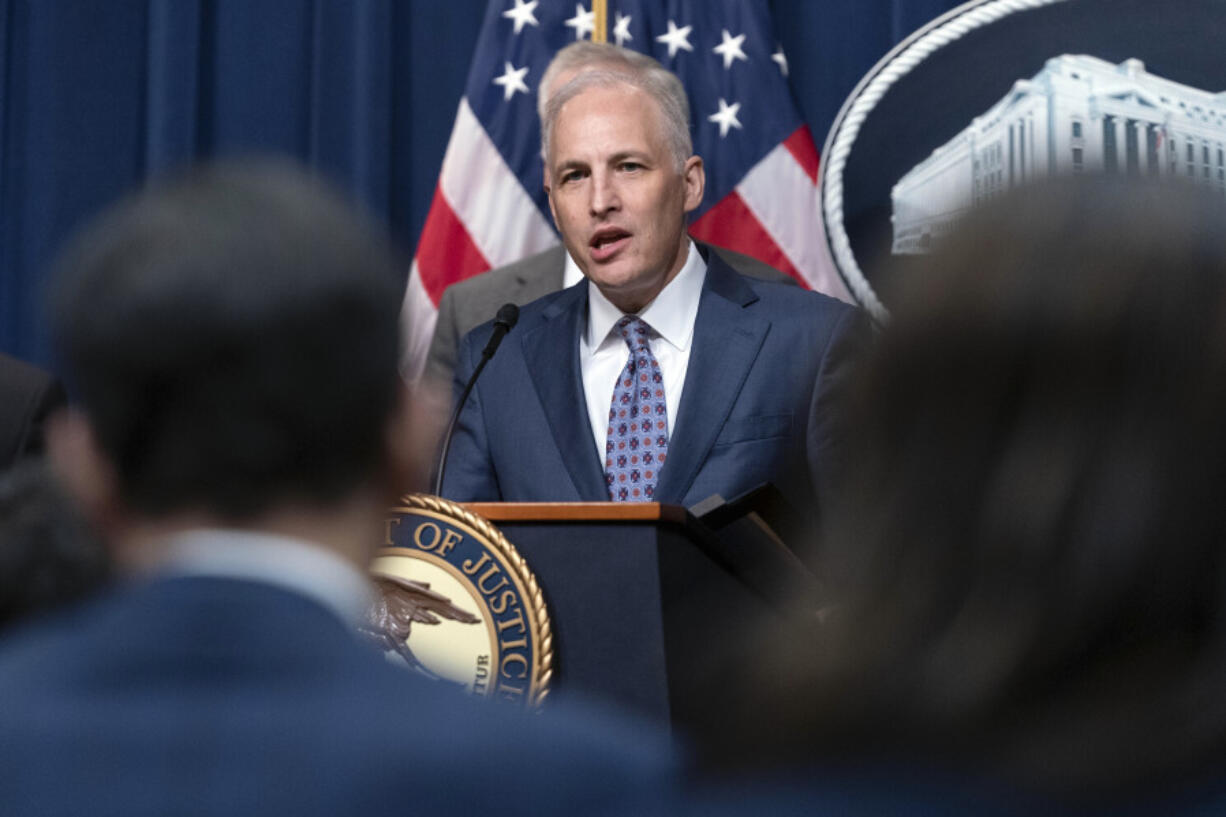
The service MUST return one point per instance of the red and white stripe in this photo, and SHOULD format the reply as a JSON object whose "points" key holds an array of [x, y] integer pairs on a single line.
{"points": [[774, 215], [481, 218]]}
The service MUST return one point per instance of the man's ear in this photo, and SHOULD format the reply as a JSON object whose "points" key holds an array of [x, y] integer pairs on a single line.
{"points": [[83, 468], [695, 182], [553, 211]]}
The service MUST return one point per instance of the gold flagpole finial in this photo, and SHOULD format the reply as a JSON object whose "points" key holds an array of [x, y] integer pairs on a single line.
{"points": [[600, 10]]}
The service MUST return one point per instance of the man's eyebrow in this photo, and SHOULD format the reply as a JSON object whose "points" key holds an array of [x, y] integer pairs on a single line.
{"points": [[637, 155], [569, 164]]}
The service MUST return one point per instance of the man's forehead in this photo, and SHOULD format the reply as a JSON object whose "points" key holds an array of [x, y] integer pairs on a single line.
{"points": [[644, 119], [564, 76]]}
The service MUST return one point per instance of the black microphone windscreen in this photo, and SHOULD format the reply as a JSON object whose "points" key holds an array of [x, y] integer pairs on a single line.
{"points": [[507, 315]]}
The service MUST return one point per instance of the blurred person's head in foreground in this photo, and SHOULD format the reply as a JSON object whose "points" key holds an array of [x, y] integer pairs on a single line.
{"points": [[1028, 562], [232, 338], [49, 557]]}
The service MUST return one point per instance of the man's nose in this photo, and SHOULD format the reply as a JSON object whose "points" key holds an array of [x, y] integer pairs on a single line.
{"points": [[604, 198]]}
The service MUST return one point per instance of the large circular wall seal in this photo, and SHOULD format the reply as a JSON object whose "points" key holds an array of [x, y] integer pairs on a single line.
{"points": [[1000, 93], [458, 603]]}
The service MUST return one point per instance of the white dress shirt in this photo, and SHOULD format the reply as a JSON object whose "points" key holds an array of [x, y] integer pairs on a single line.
{"points": [[296, 565], [571, 274], [603, 352]]}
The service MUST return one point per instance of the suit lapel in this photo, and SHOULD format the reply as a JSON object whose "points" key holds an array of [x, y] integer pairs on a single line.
{"points": [[727, 337], [552, 353]]}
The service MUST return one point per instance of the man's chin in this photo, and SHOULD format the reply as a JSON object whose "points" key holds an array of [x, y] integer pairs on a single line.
{"points": [[627, 293]]}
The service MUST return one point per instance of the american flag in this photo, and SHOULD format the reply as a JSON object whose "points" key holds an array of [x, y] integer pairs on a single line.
{"points": [[489, 208]]}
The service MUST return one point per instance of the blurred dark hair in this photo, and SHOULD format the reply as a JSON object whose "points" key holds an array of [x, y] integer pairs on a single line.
{"points": [[1027, 558], [232, 336], [49, 557]]}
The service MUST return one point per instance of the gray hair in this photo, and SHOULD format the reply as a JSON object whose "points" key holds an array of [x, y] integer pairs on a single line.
{"points": [[583, 55], [660, 85]]}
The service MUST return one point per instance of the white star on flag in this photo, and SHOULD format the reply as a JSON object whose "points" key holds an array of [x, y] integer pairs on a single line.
{"points": [[522, 14], [676, 38], [726, 118], [621, 31], [584, 22], [730, 49], [782, 59], [512, 80]]}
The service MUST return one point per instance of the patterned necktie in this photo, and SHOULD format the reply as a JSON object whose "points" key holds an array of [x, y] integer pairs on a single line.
{"points": [[638, 420]]}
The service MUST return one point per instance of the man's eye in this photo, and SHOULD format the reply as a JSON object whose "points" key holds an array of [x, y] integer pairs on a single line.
{"points": [[630, 166], [572, 176]]}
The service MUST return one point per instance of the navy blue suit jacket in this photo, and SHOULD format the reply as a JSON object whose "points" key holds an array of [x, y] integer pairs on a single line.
{"points": [[199, 696], [758, 404]]}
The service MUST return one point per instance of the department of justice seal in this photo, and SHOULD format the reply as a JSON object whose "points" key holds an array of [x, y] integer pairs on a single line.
{"points": [[999, 94], [458, 603]]}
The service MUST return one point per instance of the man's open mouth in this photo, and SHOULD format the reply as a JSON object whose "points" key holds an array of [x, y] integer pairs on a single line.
{"points": [[606, 242]]}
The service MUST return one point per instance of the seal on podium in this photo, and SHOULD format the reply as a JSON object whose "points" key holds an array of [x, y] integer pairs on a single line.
{"points": [[458, 603]]}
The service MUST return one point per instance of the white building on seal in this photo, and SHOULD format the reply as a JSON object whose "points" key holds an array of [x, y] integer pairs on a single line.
{"points": [[1080, 114]]}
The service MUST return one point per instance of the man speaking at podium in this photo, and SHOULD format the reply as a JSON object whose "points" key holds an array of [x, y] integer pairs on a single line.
{"points": [[665, 376]]}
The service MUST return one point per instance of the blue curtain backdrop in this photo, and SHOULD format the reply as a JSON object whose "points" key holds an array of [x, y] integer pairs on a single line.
{"points": [[97, 95]]}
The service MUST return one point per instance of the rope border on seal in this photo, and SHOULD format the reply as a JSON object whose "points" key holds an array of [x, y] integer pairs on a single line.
{"points": [[543, 674], [900, 61]]}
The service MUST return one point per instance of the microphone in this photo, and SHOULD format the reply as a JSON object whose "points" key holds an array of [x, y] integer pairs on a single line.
{"points": [[504, 321]]}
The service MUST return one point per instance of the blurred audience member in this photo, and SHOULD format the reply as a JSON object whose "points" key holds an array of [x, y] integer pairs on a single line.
{"points": [[1030, 558], [28, 396], [233, 336], [49, 557]]}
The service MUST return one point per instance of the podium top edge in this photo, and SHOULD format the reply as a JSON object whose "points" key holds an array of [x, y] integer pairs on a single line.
{"points": [[578, 511]]}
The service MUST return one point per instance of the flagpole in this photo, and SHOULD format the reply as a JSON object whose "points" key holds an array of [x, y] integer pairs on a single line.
{"points": [[600, 9]]}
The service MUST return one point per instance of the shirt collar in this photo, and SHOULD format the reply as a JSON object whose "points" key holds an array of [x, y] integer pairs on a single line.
{"points": [[571, 274], [291, 564], [671, 313]]}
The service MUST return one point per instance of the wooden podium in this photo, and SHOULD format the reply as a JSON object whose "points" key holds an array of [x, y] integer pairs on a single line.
{"points": [[649, 607]]}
